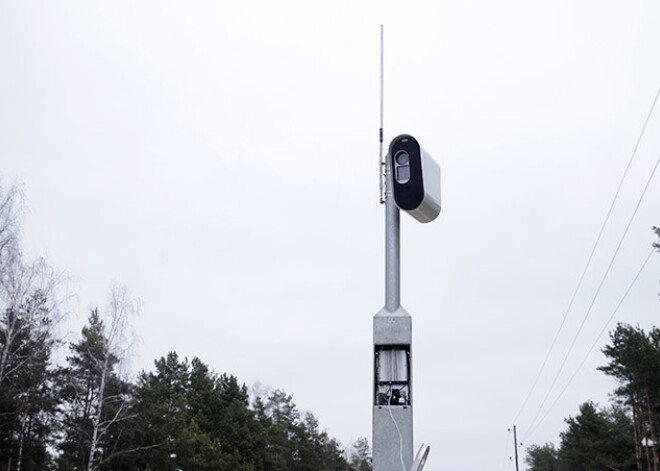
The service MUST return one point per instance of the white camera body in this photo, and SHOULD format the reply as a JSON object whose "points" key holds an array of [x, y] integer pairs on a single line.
{"points": [[415, 179]]}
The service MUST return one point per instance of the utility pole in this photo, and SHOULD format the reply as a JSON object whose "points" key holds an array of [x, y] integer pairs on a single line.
{"points": [[515, 445]]}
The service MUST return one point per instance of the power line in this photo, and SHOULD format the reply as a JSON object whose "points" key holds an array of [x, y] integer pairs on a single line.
{"points": [[600, 286], [593, 345], [586, 267]]}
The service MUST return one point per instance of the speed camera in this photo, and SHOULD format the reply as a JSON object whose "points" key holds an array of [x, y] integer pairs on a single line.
{"points": [[415, 179]]}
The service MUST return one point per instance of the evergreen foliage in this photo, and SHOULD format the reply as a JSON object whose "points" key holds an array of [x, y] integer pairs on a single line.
{"points": [[194, 419], [623, 436], [94, 402], [84, 416], [635, 362], [26, 402], [28, 316], [543, 458], [180, 416], [593, 441], [360, 457]]}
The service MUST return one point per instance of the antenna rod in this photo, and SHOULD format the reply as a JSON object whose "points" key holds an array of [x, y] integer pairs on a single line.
{"points": [[381, 167], [392, 245]]}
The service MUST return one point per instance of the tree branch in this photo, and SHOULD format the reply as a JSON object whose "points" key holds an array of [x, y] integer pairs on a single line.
{"points": [[132, 450]]}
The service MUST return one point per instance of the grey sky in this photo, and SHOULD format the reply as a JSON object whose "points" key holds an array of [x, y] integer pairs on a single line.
{"points": [[220, 159]]}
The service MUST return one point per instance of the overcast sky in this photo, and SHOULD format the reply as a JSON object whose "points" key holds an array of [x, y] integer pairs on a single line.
{"points": [[220, 159]]}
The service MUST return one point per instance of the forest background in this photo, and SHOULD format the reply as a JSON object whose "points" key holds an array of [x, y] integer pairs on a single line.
{"points": [[624, 434], [86, 413]]}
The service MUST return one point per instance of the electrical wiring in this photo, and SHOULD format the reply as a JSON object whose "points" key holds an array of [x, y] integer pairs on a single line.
{"points": [[591, 255], [396, 425], [593, 300], [593, 345], [403, 466]]}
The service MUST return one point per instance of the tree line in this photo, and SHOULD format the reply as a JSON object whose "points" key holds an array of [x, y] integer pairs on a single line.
{"points": [[624, 435], [86, 415]]}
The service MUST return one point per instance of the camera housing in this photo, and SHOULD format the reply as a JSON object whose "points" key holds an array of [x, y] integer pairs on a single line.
{"points": [[415, 179]]}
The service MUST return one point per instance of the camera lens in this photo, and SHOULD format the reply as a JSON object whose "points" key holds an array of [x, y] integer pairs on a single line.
{"points": [[402, 158], [403, 174]]}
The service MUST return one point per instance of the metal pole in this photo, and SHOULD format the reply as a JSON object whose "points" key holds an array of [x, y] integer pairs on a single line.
{"points": [[515, 445], [392, 247], [393, 423], [392, 251], [392, 335]]}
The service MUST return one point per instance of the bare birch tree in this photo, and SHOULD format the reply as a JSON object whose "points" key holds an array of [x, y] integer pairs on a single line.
{"points": [[9, 261], [28, 299], [96, 399], [10, 200], [30, 309], [120, 311], [29, 313]]}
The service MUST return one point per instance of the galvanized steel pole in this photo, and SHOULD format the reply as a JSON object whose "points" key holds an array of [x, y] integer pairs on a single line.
{"points": [[392, 247], [392, 336], [392, 417]]}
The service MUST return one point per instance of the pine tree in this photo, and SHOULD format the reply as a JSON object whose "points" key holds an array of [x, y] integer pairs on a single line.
{"points": [[596, 440], [240, 433], [28, 316], [320, 450], [542, 458], [360, 456], [97, 403], [281, 424], [634, 360], [26, 400], [218, 406], [201, 420], [162, 411]]}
